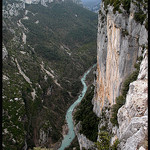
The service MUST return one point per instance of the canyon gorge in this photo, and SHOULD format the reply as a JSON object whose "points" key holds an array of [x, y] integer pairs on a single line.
{"points": [[47, 46]]}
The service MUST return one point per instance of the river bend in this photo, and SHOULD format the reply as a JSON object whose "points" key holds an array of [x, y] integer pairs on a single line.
{"points": [[71, 135]]}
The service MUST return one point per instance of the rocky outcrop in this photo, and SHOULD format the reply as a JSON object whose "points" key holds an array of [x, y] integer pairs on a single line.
{"points": [[12, 9], [118, 41], [83, 141], [43, 137], [4, 52], [133, 116]]}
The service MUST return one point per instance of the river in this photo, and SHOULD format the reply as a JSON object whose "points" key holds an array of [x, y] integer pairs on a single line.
{"points": [[71, 135]]}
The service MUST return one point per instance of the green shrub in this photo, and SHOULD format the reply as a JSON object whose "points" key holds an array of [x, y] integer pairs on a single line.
{"points": [[106, 11], [137, 65], [120, 100], [114, 146], [146, 1], [119, 10], [89, 120], [100, 12], [140, 58], [106, 2], [116, 5], [140, 16], [125, 33], [111, 2], [103, 128], [104, 141], [102, 18], [126, 83], [146, 24], [126, 5]]}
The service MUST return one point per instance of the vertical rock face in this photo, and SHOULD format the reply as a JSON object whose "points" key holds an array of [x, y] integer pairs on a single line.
{"points": [[133, 116], [118, 40], [83, 141]]}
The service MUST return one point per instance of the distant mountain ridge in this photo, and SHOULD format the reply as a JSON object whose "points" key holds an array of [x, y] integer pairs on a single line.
{"points": [[93, 5], [44, 2]]}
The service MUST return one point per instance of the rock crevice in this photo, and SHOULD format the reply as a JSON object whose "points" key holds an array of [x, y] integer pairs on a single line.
{"points": [[120, 41]]}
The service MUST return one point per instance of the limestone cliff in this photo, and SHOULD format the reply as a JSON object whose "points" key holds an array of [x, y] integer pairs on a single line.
{"points": [[121, 40], [133, 116]]}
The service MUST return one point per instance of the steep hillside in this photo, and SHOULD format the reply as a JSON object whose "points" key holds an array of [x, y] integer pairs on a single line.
{"points": [[121, 97], [45, 51]]}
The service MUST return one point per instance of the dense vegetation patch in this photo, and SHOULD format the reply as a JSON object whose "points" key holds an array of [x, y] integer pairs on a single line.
{"points": [[119, 102], [140, 16], [116, 4], [125, 33], [66, 37], [104, 136], [89, 120], [146, 24], [104, 142], [63, 37], [115, 145]]}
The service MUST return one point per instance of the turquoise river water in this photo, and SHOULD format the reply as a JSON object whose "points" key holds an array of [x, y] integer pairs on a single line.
{"points": [[71, 135]]}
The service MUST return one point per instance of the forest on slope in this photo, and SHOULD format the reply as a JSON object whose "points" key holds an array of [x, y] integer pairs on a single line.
{"points": [[45, 52]]}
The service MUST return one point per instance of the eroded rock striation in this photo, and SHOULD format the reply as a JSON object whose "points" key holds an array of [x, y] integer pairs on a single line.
{"points": [[121, 40], [133, 116], [118, 46]]}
